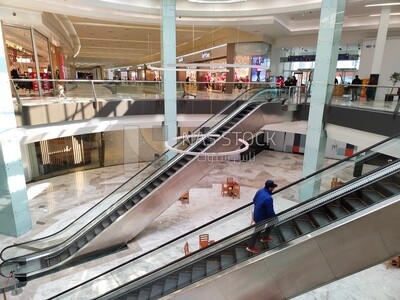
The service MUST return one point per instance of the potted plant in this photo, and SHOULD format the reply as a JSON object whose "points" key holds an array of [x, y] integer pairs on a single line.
{"points": [[395, 77]]}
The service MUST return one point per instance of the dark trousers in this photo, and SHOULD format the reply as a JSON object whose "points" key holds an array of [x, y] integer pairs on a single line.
{"points": [[258, 234]]}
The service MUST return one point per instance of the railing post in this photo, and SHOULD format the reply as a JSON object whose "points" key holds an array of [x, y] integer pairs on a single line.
{"points": [[17, 290], [94, 97], [396, 110]]}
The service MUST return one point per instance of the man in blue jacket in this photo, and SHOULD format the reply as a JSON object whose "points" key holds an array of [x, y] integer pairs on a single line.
{"points": [[263, 209]]}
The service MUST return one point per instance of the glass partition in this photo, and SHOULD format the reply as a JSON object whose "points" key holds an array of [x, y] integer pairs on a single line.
{"points": [[366, 96]]}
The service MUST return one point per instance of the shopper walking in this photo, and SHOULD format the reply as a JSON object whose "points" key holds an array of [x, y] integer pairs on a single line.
{"points": [[263, 210], [356, 88]]}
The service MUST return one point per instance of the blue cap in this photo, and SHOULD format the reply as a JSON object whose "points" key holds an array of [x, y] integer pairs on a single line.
{"points": [[270, 183]]}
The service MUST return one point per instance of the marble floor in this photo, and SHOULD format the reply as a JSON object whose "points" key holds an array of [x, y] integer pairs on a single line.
{"points": [[56, 201]]}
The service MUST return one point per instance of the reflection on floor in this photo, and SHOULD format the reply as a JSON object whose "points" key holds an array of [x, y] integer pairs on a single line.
{"points": [[57, 201]]}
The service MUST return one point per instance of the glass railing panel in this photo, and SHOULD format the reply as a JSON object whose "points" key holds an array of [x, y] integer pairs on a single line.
{"points": [[371, 97], [344, 171], [253, 95]]}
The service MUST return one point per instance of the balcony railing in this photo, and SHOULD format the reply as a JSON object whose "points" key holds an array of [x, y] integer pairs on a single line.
{"points": [[27, 92]]}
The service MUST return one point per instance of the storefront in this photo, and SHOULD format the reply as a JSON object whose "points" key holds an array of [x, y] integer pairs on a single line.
{"points": [[244, 54], [31, 56]]}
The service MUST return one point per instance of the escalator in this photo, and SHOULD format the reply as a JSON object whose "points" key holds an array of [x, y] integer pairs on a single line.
{"points": [[335, 233], [120, 216]]}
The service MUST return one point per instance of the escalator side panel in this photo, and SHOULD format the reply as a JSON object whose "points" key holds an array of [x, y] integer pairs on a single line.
{"points": [[389, 231], [354, 246], [258, 283]]}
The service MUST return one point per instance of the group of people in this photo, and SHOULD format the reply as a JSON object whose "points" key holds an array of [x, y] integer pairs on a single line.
{"points": [[356, 85]]}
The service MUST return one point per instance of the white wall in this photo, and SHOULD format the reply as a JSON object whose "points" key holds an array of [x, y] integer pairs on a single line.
{"points": [[390, 63]]}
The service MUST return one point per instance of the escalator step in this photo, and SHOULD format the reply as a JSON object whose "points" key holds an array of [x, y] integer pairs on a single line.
{"points": [[106, 223], [184, 278], [64, 255], [304, 225], [388, 188], [170, 285], [198, 272], [90, 236], [156, 290], [81, 243], [149, 189], [288, 232], [136, 199], [113, 217], [72, 250], [338, 210], [128, 205], [227, 260], [241, 253], [182, 163], [395, 178], [321, 218], [371, 196], [133, 296], [144, 294], [212, 266], [143, 194], [53, 261], [97, 230], [355, 203], [157, 182], [169, 173]]}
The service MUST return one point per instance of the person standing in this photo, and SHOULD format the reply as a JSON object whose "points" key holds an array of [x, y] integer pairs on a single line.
{"points": [[356, 88], [263, 210]]}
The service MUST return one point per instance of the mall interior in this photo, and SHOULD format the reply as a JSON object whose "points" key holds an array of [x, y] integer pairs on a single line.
{"points": [[134, 135]]}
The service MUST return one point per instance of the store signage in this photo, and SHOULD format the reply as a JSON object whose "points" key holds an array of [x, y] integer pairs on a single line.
{"points": [[311, 57], [23, 60], [206, 54]]}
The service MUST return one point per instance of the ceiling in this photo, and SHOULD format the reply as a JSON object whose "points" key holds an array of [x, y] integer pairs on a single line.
{"points": [[114, 33]]}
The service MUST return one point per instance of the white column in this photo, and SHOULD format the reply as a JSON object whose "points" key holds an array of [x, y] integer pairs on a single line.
{"points": [[329, 36], [15, 218], [169, 57], [381, 40]]}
